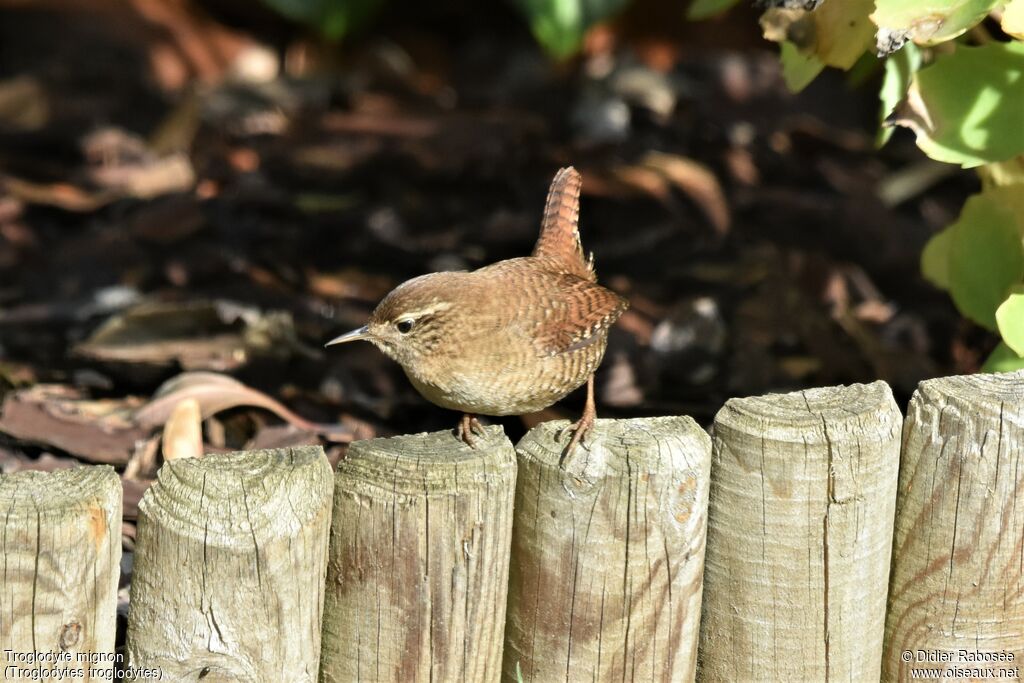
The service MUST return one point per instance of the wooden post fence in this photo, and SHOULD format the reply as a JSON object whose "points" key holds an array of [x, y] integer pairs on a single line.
{"points": [[419, 560], [957, 593], [61, 542], [446, 563], [230, 563], [605, 581], [799, 536]]}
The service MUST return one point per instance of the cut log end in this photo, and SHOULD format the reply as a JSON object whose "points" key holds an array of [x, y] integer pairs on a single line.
{"points": [[615, 447], [59, 489], [219, 483], [426, 462], [802, 416]]}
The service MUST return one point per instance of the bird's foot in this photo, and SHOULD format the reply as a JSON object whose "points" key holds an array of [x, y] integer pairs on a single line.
{"points": [[579, 429], [467, 427]]}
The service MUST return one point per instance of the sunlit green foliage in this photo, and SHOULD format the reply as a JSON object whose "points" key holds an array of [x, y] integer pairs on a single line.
{"points": [[1003, 359], [835, 34], [899, 71], [927, 22], [1010, 317], [559, 25], [967, 107], [985, 256], [798, 69]]}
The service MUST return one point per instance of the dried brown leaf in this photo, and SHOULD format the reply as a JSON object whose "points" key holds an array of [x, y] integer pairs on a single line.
{"points": [[61, 417], [62, 195], [209, 335], [697, 182], [183, 431], [215, 392]]}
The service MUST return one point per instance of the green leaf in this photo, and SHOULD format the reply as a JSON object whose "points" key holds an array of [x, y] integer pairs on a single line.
{"points": [[1003, 359], [968, 107], [798, 69], [559, 25], [863, 70], [935, 259], [1010, 318], [899, 70], [1011, 197], [927, 22], [705, 9], [835, 33], [332, 18], [986, 257], [1003, 173]]}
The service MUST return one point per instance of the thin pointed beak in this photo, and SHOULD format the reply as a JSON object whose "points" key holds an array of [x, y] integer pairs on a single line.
{"points": [[354, 335]]}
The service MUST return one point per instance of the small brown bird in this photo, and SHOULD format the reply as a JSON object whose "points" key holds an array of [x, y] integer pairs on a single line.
{"points": [[510, 338]]}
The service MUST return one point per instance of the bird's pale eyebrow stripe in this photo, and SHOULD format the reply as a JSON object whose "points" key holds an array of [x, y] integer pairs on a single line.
{"points": [[435, 307]]}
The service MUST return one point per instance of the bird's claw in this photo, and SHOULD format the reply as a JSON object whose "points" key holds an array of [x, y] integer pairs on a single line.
{"points": [[580, 429], [468, 426]]}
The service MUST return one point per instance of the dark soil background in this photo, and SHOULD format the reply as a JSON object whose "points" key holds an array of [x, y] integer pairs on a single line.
{"points": [[211, 190]]}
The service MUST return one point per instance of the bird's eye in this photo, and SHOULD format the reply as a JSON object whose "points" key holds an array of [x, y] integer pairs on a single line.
{"points": [[404, 326]]}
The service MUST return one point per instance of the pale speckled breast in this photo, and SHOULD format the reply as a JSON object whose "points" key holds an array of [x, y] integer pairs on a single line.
{"points": [[534, 340], [511, 388]]}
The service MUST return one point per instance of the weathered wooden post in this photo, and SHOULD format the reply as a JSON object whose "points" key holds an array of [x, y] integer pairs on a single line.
{"points": [[957, 590], [607, 553], [419, 560], [61, 543], [799, 536], [229, 567]]}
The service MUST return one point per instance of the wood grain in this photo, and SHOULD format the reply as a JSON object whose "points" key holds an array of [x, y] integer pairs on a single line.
{"points": [[419, 560], [958, 551], [230, 563], [605, 582], [61, 543], [799, 535]]}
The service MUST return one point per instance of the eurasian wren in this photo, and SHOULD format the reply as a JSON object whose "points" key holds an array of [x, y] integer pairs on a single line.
{"points": [[510, 338]]}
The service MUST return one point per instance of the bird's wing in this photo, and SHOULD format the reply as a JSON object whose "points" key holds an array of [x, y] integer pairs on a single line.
{"points": [[559, 241], [574, 314]]}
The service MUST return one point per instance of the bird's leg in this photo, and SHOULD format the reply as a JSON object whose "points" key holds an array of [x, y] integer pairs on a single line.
{"points": [[469, 425], [582, 426]]}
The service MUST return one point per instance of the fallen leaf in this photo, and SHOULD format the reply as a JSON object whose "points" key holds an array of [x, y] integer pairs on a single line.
{"points": [[210, 335], [696, 181], [62, 195], [215, 392], [144, 462], [101, 431], [11, 462], [183, 431], [148, 178]]}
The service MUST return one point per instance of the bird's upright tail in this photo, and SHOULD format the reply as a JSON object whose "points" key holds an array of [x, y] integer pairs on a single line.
{"points": [[559, 240]]}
